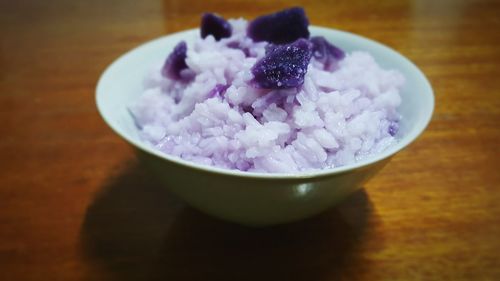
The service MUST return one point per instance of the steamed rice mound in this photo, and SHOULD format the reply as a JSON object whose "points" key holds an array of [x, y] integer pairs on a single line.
{"points": [[216, 117]]}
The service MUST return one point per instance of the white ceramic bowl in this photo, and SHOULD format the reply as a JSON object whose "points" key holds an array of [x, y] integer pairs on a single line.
{"points": [[258, 198]]}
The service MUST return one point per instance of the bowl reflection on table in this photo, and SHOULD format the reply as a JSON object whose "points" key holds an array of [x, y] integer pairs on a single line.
{"points": [[258, 198]]}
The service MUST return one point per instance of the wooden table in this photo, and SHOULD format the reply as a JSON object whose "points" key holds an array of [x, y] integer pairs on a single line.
{"points": [[75, 204]]}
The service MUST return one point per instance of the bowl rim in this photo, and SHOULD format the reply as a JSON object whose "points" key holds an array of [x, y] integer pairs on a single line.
{"points": [[390, 151]]}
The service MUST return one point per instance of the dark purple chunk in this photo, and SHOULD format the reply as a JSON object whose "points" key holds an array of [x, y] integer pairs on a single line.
{"points": [[218, 27], [236, 45], [280, 28], [393, 128], [218, 90], [233, 45], [176, 62], [271, 47], [283, 67], [325, 52]]}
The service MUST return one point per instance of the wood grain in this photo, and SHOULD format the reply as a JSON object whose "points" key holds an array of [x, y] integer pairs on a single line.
{"points": [[76, 205]]}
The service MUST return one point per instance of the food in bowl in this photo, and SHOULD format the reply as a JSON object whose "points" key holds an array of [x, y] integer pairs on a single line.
{"points": [[265, 96], [253, 198]]}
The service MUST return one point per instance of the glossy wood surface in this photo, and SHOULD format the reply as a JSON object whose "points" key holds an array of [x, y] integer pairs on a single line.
{"points": [[75, 204]]}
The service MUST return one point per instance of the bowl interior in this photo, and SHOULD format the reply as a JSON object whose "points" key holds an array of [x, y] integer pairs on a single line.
{"points": [[122, 82]]}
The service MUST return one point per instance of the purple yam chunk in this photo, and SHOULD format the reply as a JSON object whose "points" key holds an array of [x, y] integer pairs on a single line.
{"points": [[176, 62], [283, 67], [325, 52], [218, 90], [280, 28], [271, 47], [233, 45], [236, 45], [393, 128], [218, 27]]}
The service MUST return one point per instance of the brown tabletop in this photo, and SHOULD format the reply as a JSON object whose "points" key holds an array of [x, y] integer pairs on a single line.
{"points": [[75, 204]]}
